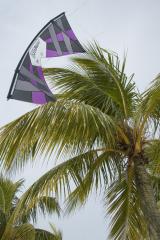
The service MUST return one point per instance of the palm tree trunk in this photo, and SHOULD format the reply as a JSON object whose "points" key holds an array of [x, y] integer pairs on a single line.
{"points": [[147, 199]]}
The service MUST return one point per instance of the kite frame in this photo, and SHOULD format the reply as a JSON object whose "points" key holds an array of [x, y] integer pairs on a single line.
{"points": [[19, 64]]}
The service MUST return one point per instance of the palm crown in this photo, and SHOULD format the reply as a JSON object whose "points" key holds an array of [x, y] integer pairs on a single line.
{"points": [[107, 134]]}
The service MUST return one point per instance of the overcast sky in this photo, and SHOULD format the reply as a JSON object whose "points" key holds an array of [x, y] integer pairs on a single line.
{"points": [[118, 25]]}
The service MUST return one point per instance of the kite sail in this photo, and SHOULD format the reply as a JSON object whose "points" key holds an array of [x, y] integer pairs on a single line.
{"points": [[55, 39]]}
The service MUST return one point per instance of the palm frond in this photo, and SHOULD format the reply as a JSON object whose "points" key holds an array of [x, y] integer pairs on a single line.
{"points": [[22, 232], [152, 153], [43, 235], [90, 126], [82, 172], [46, 235], [3, 222], [98, 80], [57, 233], [127, 220], [43, 205], [149, 109], [156, 188], [58, 180], [15, 214], [104, 170], [8, 191]]}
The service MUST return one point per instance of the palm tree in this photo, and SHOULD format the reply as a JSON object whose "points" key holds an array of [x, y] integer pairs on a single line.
{"points": [[21, 228], [107, 135]]}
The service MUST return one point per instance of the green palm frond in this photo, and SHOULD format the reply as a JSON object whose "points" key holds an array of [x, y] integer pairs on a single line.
{"points": [[43, 205], [88, 169], [149, 109], [122, 202], [50, 183], [57, 233], [2, 200], [102, 172], [15, 214], [58, 180], [152, 152], [8, 191], [90, 126], [24, 232], [151, 98], [98, 79], [3, 222], [156, 187], [45, 235], [27, 209]]}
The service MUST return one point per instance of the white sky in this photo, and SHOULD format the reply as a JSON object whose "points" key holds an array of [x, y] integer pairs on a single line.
{"points": [[118, 25]]}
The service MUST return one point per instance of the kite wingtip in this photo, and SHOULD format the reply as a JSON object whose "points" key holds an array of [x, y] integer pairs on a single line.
{"points": [[8, 97], [58, 16]]}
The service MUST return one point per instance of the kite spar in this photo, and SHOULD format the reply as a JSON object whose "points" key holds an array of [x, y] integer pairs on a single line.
{"points": [[55, 39]]}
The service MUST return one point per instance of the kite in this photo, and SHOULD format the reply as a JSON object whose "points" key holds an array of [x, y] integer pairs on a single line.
{"points": [[55, 39]]}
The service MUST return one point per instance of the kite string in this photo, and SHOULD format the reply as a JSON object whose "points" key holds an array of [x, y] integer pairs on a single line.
{"points": [[81, 5]]}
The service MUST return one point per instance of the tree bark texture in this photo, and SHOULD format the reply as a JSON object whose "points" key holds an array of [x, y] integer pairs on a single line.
{"points": [[147, 199]]}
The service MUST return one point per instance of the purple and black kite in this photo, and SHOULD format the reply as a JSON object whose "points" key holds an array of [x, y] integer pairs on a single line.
{"points": [[54, 40]]}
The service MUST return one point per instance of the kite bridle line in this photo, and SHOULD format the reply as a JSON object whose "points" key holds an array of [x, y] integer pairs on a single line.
{"points": [[21, 60]]}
